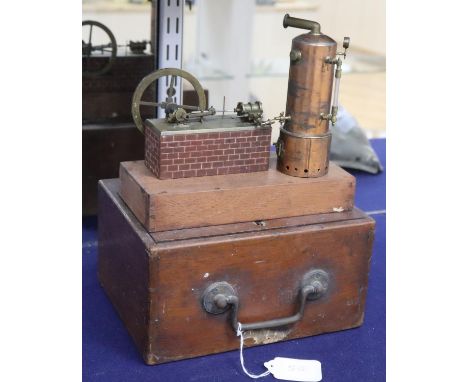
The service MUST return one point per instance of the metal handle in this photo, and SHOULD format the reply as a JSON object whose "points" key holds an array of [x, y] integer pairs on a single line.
{"points": [[220, 297], [295, 22]]}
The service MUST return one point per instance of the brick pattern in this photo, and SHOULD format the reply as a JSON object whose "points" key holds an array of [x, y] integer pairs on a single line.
{"points": [[203, 154], [152, 150]]}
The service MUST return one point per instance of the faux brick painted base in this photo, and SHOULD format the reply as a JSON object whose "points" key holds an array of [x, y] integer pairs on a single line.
{"points": [[202, 154]]}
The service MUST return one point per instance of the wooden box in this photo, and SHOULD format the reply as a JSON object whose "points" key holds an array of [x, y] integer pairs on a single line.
{"points": [[162, 205], [162, 283]]}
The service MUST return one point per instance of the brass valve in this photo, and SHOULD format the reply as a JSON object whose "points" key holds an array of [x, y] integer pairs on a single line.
{"points": [[332, 117]]}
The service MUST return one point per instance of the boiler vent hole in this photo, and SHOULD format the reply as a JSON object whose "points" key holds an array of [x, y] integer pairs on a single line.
{"points": [[306, 171]]}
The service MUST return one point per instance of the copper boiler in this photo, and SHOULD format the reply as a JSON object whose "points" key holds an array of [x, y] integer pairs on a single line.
{"points": [[304, 143]]}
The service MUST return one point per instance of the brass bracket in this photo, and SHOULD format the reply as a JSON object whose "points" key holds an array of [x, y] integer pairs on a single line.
{"points": [[279, 145], [304, 136], [335, 61], [295, 55]]}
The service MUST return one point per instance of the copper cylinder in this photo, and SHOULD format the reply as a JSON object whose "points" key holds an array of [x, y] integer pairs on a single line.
{"points": [[304, 143]]}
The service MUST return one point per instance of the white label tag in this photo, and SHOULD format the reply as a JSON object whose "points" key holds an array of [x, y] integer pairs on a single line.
{"points": [[290, 369]]}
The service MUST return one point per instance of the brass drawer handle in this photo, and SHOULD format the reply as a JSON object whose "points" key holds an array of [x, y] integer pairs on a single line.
{"points": [[220, 297]]}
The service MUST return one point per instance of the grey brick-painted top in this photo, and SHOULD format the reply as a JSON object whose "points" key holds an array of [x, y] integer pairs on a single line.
{"points": [[212, 124]]}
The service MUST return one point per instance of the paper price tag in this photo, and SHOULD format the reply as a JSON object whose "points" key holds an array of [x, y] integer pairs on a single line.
{"points": [[290, 369]]}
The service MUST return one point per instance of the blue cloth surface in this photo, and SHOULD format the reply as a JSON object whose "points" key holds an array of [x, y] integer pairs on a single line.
{"points": [[351, 355]]}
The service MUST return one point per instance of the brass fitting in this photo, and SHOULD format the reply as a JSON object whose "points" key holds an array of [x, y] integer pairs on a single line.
{"points": [[335, 61], [295, 55], [295, 22], [332, 117]]}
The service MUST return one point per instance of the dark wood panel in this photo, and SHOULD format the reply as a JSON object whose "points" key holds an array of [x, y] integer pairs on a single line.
{"points": [[107, 98], [104, 146]]}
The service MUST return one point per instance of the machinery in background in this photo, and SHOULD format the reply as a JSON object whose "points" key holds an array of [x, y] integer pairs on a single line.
{"points": [[110, 74]]}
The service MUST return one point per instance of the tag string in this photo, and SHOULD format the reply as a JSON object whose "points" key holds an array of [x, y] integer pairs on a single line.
{"points": [[241, 355]]}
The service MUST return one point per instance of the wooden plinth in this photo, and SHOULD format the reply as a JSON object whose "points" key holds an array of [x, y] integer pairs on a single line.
{"points": [[162, 205]]}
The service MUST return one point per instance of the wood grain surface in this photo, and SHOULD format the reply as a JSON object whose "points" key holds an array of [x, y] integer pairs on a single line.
{"points": [[162, 205], [265, 267], [123, 264]]}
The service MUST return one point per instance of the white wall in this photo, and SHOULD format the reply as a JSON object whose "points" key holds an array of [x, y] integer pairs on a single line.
{"points": [[362, 20], [126, 25]]}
